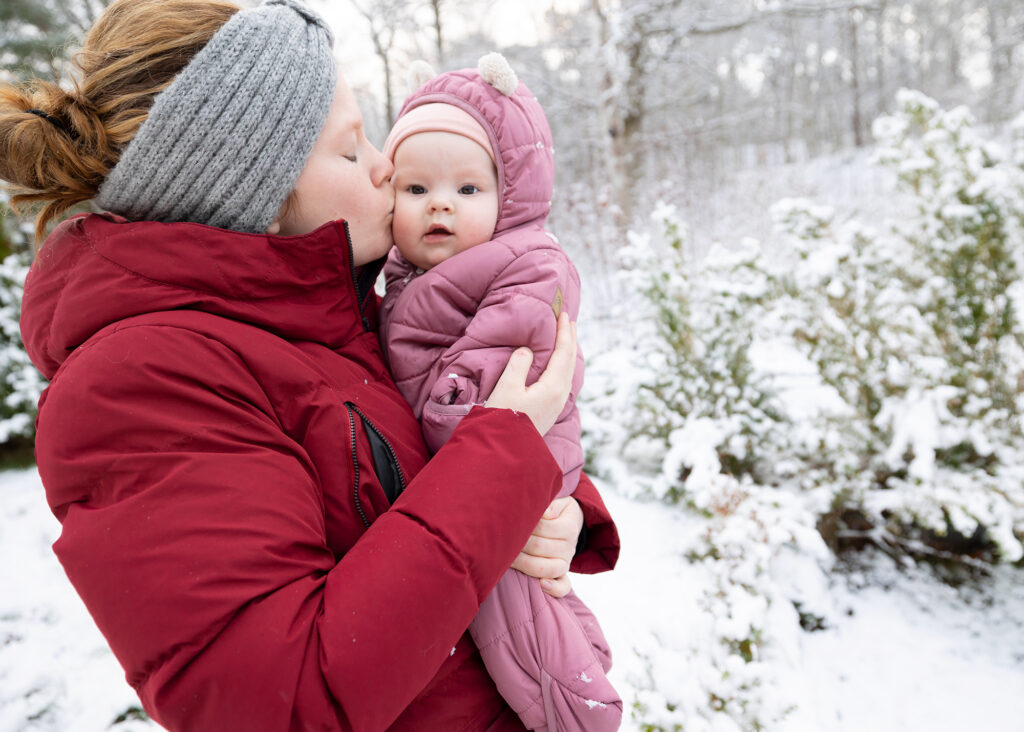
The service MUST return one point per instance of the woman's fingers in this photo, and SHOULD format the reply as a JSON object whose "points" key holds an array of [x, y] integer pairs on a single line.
{"points": [[540, 567], [553, 548], [552, 545], [556, 509], [512, 382], [558, 587]]}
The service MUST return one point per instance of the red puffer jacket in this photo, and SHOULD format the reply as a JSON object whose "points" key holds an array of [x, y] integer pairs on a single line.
{"points": [[245, 502]]}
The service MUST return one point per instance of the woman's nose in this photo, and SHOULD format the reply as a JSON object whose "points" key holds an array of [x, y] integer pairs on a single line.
{"points": [[382, 168]]}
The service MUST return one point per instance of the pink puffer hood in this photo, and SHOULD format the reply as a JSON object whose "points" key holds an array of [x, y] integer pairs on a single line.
{"points": [[516, 126]]}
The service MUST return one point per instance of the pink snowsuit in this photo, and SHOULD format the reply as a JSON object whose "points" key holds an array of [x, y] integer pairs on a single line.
{"points": [[448, 333]]}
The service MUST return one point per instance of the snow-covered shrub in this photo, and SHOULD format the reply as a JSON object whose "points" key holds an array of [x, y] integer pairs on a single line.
{"points": [[897, 421], [703, 390], [20, 383], [916, 323], [967, 237], [848, 312], [760, 559], [708, 421]]}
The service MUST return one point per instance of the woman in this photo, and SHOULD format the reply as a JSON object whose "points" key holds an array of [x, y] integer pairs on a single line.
{"points": [[245, 502]]}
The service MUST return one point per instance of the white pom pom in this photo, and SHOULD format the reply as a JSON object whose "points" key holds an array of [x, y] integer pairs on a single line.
{"points": [[495, 70], [419, 74]]}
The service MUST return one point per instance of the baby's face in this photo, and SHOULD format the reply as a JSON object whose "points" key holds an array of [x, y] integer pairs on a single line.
{"points": [[446, 197]]}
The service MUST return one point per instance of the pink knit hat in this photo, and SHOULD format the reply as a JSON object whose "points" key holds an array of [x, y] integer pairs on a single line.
{"points": [[436, 117]]}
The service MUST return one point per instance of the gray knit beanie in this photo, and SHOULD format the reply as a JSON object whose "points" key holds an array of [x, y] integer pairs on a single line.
{"points": [[224, 144]]}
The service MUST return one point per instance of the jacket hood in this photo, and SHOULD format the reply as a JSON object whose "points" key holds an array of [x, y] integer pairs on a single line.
{"points": [[520, 138], [96, 270]]}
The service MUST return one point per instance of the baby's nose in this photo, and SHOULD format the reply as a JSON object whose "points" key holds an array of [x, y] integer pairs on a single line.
{"points": [[440, 203]]}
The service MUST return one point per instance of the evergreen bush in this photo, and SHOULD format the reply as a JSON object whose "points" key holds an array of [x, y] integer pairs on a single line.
{"points": [[20, 382], [702, 388], [910, 330]]}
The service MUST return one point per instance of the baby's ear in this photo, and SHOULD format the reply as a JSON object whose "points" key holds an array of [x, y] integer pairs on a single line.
{"points": [[496, 71], [419, 74]]}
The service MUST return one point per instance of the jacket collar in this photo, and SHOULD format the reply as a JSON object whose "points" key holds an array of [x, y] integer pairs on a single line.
{"points": [[96, 270]]}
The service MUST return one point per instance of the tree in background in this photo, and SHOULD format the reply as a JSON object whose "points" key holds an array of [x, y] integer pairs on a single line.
{"points": [[862, 385], [35, 40], [31, 30], [401, 32], [665, 100], [20, 383]]}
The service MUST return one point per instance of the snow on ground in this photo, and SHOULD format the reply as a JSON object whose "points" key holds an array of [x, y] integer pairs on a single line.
{"points": [[919, 655], [56, 672], [906, 653]]}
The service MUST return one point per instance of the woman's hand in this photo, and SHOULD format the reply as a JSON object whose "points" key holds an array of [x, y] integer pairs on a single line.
{"points": [[543, 400], [551, 547]]}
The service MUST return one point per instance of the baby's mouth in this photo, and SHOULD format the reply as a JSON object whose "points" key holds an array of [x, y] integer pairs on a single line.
{"points": [[437, 232]]}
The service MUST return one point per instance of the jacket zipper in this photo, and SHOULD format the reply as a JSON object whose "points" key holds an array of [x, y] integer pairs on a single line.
{"points": [[355, 467], [355, 460], [391, 450], [360, 296]]}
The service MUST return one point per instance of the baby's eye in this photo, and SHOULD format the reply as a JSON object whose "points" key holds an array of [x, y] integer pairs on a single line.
{"points": [[468, 190], [417, 190]]}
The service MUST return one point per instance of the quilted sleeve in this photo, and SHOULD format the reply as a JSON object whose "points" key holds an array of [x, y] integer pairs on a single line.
{"points": [[193, 529]]}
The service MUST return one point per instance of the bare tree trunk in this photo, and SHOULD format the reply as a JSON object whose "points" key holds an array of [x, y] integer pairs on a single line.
{"points": [[789, 96], [439, 39], [994, 58], [612, 116], [954, 20], [858, 131], [382, 35], [1001, 52], [880, 48]]}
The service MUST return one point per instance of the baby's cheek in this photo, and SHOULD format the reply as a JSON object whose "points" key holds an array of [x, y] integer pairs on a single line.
{"points": [[401, 225]]}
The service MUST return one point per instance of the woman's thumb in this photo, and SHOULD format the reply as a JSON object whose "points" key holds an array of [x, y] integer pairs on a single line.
{"points": [[517, 369]]}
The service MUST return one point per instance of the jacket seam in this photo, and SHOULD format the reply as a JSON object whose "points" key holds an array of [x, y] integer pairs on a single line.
{"points": [[432, 531], [176, 286], [404, 321], [121, 326], [512, 628]]}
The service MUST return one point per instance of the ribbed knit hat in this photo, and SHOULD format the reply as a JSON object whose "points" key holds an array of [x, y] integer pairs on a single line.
{"points": [[224, 144]]}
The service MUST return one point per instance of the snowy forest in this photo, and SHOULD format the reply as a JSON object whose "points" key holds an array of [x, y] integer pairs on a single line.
{"points": [[800, 230]]}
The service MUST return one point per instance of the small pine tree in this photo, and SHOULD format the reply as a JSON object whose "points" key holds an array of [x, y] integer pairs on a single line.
{"points": [[20, 382], [917, 328], [704, 389], [35, 35]]}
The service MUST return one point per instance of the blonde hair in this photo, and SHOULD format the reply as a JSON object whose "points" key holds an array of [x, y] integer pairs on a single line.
{"points": [[58, 155]]}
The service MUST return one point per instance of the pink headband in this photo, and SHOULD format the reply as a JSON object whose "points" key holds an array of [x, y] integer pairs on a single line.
{"points": [[436, 117]]}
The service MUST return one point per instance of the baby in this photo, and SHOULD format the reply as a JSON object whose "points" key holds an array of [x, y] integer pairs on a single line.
{"points": [[474, 275]]}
